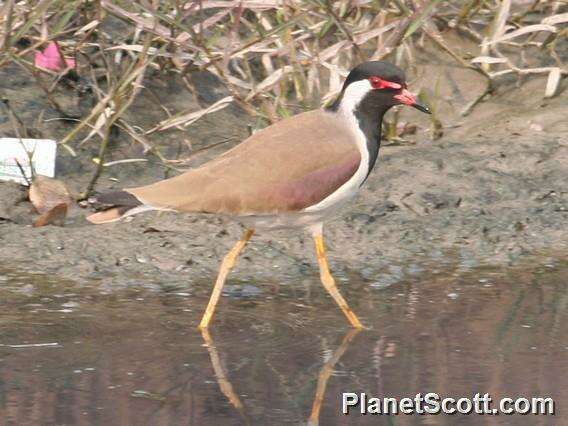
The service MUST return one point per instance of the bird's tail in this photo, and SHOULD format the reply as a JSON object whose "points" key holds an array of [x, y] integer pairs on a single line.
{"points": [[114, 206]]}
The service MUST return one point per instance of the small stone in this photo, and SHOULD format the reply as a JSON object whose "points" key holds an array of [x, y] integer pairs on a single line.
{"points": [[141, 258]]}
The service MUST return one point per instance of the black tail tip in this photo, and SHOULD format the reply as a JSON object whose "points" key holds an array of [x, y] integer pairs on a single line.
{"points": [[114, 198]]}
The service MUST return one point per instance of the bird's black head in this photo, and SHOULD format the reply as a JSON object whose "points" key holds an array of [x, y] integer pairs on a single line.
{"points": [[380, 69], [377, 85]]}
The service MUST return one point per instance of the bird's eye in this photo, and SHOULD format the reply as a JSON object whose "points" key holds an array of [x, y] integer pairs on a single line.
{"points": [[379, 83]]}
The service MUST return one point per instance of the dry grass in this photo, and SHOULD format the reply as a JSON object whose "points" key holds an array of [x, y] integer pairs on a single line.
{"points": [[273, 56]]}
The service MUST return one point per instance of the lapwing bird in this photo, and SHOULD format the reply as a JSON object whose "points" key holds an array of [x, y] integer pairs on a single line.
{"points": [[295, 173]]}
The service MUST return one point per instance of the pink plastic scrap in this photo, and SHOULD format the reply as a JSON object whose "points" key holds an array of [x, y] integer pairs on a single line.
{"points": [[52, 59]]}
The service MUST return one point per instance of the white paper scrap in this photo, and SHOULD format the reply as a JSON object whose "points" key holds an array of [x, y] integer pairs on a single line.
{"points": [[15, 150]]}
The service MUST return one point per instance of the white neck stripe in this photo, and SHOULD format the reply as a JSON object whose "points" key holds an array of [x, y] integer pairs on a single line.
{"points": [[353, 95]]}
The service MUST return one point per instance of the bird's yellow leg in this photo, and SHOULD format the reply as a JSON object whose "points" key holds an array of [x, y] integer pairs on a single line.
{"points": [[228, 262], [329, 283]]}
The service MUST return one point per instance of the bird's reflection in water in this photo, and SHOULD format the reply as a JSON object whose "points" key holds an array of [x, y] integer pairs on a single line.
{"points": [[323, 377], [326, 372], [221, 376]]}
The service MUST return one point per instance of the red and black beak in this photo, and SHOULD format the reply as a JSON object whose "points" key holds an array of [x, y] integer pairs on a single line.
{"points": [[407, 98]]}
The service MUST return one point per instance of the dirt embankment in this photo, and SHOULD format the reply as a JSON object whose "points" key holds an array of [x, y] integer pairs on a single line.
{"points": [[492, 190]]}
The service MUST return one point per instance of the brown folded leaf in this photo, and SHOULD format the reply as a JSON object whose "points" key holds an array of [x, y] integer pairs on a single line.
{"points": [[47, 193], [553, 82], [524, 30], [55, 216]]}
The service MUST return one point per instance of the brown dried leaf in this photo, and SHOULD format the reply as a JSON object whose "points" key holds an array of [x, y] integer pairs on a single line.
{"points": [[498, 25], [376, 32], [561, 18], [55, 216], [333, 50], [87, 27], [250, 4], [191, 117], [553, 83], [488, 60], [203, 25], [524, 30], [99, 125], [47, 193], [271, 80]]}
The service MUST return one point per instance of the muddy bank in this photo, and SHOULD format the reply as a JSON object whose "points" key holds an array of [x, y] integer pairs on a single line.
{"points": [[492, 190]]}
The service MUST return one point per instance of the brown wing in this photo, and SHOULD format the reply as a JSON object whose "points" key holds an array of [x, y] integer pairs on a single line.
{"points": [[288, 166]]}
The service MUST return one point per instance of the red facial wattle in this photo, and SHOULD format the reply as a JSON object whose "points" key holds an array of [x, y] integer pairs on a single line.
{"points": [[379, 83]]}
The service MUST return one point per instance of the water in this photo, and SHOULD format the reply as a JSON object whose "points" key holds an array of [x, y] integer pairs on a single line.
{"points": [[72, 355]]}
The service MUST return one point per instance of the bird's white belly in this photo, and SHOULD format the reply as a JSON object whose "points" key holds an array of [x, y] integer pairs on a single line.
{"points": [[302, 219]]}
